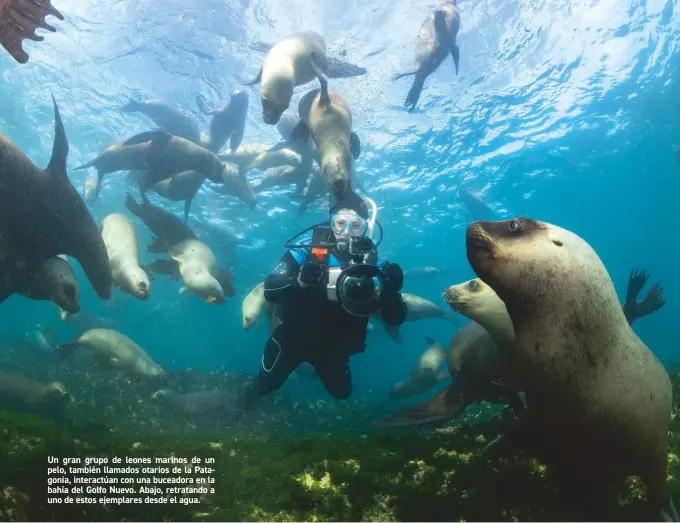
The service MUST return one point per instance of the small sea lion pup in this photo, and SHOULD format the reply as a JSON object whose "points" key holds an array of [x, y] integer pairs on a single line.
{"points": [[22, 394], [436, 39], [121, 242], [42, 215], [296, 60], [598, 401], [326, 116], [19, 19], [228, 122]]}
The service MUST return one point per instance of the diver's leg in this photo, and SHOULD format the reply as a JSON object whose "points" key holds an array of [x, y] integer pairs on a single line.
{"points": [[335, 374]]}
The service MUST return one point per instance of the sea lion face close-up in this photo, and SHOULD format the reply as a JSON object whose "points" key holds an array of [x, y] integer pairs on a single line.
{"points": [[67, 295], [276, 96], [468, 297]]}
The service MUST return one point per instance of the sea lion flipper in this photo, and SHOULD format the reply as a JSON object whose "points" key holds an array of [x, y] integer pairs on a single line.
{"points": [[341, 69], [455, 54], [414, 93], [652, 302], [299, 132], [637, 280], [157, 136], [324, 97], [445, 406], [153, 177], [257, 79], [402, 75], [200, 101], [57, 165], [354, 145], [187, 208], [225, 279]]}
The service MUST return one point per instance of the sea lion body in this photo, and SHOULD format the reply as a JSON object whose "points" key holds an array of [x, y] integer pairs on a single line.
{"points": [[89, 189], [425, 373], [330, 125], [158, 152], [436, 39], [169, 119], [42, 215], [193, 403], [599, 401], [181, 186], [199, 270], [234, 183], [55, 281], [22, 394], [121, 242], [114, 350], [227, 123], [245, 155], [253, 305]]}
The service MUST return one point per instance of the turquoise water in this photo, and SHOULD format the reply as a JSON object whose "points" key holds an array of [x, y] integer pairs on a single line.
{"points": [[562, 111]]}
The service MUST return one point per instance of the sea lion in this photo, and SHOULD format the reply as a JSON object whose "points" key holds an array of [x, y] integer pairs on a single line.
{"points": [[19, 19], [169, 229], [42, 215], [253, 305], [193, 403], [245, 155], [200, 272], [598, 401], [425, 373], [326, 116], [158, 152], [228, 122], [234, 183], [22, 394], [436, 39], [120, 238], [295, 60], [89, 189], [173, 121], [180, 187], [476, 207], [114, 350], [55, 281]]}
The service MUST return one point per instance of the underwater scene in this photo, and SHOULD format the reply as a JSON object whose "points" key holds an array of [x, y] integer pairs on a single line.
{"points": [[319, 260]]}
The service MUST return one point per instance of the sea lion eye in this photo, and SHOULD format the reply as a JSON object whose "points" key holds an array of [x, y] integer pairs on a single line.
{"points": [[514, 227], [474, 285]]}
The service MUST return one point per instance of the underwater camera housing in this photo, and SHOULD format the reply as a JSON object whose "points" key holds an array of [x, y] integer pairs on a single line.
{"points": [[358, 286]]}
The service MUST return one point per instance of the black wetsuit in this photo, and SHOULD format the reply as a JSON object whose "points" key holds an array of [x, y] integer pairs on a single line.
{"points": [[315, 329]]}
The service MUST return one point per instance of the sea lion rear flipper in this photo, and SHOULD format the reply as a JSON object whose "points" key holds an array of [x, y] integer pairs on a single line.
{"points": [[354, 145], [257, 79], [455, 54], [414, 93], [66, 349], [445, 406], [157, 136], [299, 132], [340, 69], [225, 279], [187, 208], [200, 101], [324, 97], [652, 302], [19, 20], [637, 280]]}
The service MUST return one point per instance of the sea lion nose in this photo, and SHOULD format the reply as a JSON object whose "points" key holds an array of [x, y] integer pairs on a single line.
{"points": [[143, 286]]}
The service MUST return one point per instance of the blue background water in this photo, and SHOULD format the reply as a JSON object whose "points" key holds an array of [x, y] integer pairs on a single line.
{"points": [[563, 111]]}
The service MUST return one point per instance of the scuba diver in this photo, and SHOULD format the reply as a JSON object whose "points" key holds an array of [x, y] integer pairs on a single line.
{"points": [[324, 289]]}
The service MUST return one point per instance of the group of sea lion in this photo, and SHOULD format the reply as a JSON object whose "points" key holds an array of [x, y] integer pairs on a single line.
{"points": [[546, 322]]}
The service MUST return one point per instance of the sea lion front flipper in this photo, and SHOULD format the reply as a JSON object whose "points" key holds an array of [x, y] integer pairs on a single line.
{"points": [[187, 208], [324, 97], [157, 136], [225, 278], [354, 145], [57, 165], [445, 406], [257, 79], [299, 132], [19, 20], [341, 69], [652, 302], [455, 54]]}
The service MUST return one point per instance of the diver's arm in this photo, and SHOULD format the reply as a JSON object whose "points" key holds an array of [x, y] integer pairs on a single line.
{"points": [[393, 308], [282, 284]]}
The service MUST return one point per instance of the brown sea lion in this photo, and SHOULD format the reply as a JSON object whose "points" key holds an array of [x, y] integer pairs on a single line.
{"points": [[22, 394], [296, 60], [598, 401], [55, 281], [158, 152], [19, 19], [180, 187], [42, 215], [228, 122], [168, 119], [436, 39]]}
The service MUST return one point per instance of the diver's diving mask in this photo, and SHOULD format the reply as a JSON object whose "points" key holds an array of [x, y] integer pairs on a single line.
{"points": [[348, 223]]}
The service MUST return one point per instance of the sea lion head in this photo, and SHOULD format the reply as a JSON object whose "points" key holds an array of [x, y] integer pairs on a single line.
{"points": [[162, 395], [473, 299], [202, 283], [530, 264], [63, 285], [56, 394], [138, 283], [276, 95]]}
